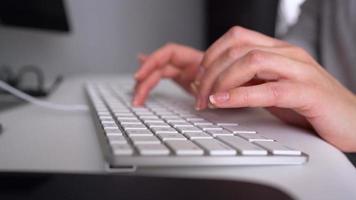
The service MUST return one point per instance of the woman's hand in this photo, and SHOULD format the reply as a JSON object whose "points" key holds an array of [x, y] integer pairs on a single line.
{"points": [[247, 69], [174, 61]]}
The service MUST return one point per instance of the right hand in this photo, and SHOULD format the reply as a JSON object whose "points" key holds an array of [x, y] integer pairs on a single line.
{"points": [[178, 62]]}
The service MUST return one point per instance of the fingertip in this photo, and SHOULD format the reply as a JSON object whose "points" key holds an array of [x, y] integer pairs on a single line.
{"points": [[137, 76], [136, 102]]}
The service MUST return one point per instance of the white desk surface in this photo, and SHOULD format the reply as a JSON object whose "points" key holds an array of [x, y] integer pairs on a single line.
{"points": [[38, 139]]}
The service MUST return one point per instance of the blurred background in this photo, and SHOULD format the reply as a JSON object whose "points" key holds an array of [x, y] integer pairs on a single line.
{"points": [[105, 36]]}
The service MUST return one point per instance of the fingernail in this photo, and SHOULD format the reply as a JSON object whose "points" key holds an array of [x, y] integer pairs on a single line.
{"points": [[193, 87], [135, 101], [217, 98], [136, 76], [197, 104]]}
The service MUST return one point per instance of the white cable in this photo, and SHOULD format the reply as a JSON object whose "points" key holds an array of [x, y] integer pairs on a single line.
{"points": [[41, 103]]}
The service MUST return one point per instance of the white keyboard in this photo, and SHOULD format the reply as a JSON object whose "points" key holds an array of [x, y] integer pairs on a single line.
{"points": [[165, 133]]}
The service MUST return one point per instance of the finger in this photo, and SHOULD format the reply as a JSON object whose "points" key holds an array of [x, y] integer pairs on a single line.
{"points": [[143, 88], [186, 78], [258, 64], [283, 94], [173, 54], [237, 36], [206, 78], [223, 61]]}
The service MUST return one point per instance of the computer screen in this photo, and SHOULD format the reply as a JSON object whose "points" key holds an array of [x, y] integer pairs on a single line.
{"points": [[40, 14]]}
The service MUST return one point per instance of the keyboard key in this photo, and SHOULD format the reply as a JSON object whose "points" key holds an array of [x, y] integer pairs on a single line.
{"points": [[106, 117], [278, 149], [143, 132], [210, 127], [144, 114], [171, 136], [227, 124], [253, 137], [194, 119], [124, 114], [152, 149], [130, 122], [148, 117], [170, 117], [182, 125], [160, 113], [111, 128], [239, 129], [107, 122], [176, 121], [158, 130], [122, 149], [202, 123], [145, 140], [116, 139], [133, 126], [242, 146], [215, 147], [184, 148], [154, 121], [188, 129], [113, 132], [104, 113], [140, 109], [197, 135], [163, 125], [120, 118], [219, 133], [177, 124]]}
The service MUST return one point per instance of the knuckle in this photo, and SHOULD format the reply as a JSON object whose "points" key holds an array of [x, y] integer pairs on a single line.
{"points": [[301, 52], [236, 31], [233, 52], [220, 82], [275, 93], [255, 57], [206, 60], [245, 97], [170, 45]]}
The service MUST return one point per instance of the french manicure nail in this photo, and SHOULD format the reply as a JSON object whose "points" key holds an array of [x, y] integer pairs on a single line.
{"points": [[194, 88], [221, 97], [197, 104]]}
